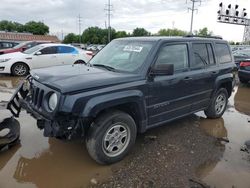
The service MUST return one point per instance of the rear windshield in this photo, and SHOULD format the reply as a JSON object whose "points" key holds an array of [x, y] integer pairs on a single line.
{"points": [[223, 53]]}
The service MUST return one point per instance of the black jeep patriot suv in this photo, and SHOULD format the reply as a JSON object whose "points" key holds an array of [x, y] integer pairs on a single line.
{"points": [[132, 85]]}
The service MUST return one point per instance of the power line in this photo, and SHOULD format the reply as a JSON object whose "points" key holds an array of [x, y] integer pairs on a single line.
{"points": [[80, 23], [109, 9], [192, 14]]}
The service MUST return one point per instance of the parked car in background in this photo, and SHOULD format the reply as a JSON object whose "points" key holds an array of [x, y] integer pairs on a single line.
{"points": [[22, 47], [241, 55], [44, 55], [7, 44], [244, 71]]}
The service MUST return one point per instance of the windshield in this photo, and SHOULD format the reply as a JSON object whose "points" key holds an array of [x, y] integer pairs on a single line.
{"points": [[20, 45], [123, 55], [32, 50]]}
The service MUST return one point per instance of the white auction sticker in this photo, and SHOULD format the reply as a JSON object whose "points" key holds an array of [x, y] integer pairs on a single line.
{"points": [[133, 48]]}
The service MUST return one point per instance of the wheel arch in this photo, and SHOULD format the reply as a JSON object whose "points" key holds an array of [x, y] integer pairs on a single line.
{"points": [[130, 102], [225, 81]]}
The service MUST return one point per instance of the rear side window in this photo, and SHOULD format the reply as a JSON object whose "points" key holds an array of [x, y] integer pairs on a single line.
{"points": [[223, 53], [176, 54], [203, 55], [66, 50]]}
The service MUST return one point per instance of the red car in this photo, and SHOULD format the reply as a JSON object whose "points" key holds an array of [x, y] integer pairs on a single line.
{"points": [[21, 47]]}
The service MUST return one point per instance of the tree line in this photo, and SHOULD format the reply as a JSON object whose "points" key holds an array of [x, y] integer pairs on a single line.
{"points": [[96, 35], [36, 28]]}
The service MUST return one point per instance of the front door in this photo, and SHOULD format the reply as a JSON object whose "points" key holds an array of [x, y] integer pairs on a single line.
{"points": [[47, 58], [168, 94]]}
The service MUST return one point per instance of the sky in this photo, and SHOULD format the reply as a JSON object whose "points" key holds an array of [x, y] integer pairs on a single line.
{"points": [[61, 15]]}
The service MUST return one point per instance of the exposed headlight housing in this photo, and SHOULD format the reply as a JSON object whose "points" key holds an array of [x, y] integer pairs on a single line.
{"points": [[53, 101], [4, 60]]}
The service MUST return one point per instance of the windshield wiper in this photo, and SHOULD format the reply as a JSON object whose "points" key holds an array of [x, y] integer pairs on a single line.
{"points": [[105, 66]]}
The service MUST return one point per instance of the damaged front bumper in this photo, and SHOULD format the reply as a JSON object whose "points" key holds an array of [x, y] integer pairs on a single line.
{"points": [[60, 126]]}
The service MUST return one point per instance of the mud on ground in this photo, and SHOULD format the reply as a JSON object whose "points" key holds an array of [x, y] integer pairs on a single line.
{"points": [[191, 152]]}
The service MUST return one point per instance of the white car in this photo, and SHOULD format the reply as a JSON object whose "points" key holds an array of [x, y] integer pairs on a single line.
{"points": [[40, 56]]}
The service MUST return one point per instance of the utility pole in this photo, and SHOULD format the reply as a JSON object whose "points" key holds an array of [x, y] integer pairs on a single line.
{"points": [[192, 14], [80, 22], [109, 10]]}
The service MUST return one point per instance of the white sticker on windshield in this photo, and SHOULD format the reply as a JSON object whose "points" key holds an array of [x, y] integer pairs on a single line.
{"points": [[133, 48]]}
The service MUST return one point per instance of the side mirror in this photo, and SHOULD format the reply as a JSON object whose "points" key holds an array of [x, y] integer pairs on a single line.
{"points": [[38, 53], [163, 69], [24, 48]]}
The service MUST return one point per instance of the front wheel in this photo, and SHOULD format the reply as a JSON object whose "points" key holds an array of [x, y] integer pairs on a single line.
{"points": [[19, 69], [218, 104], [111, 136]]}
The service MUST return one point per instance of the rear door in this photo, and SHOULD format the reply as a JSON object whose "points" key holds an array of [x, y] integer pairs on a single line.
{"points": [[203, 73], [67, 55]]}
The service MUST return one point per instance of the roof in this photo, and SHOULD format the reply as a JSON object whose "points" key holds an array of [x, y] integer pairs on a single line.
{"points": [[27, 37], [177, 38], [54, 44]]}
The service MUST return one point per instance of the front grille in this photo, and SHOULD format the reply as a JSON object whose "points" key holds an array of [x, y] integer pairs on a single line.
{"points": [[37, 96]]}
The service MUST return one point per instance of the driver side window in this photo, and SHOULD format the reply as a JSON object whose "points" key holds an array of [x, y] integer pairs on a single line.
{"points": [[176, 54], [49, 50]]}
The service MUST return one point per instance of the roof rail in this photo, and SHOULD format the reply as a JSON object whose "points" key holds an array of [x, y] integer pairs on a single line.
{"points": [[214, 37]]}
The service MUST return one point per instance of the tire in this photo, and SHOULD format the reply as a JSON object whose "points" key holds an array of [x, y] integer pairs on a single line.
{"points": [[80, 62], [116, 127], [217, 110], [19, 69]]}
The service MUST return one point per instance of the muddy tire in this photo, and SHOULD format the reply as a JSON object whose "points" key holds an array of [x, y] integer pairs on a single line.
{"points": [[19, 69], [218, 104], [111, 136]]}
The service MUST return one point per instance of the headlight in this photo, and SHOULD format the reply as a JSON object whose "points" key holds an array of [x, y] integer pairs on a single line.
{"points": [[4, 60], [53, 101]]}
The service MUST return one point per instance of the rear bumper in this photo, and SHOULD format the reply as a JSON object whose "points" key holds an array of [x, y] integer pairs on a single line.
{"points": [[243, 74]]}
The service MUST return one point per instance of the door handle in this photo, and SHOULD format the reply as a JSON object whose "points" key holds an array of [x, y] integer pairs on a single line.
{"points": [[214, 72], [186, 79]]}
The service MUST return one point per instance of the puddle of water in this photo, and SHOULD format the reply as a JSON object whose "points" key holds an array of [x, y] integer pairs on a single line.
{"points": [[42, 162], [234, 167]]}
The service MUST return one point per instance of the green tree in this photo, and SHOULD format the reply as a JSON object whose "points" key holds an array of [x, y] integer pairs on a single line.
{"points": [[71, 38], [121, 34], [171, 32], [37, 28], [6, 25], [140, 32], [96, 35], [204, 32]]}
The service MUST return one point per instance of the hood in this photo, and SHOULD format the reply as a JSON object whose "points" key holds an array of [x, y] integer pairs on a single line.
{"points": [[73, 78], [13, 55], [9, 50]]}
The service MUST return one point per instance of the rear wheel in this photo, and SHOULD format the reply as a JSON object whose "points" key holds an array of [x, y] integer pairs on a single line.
{"points": [[111, 136], [19, 69], [80, 62], [218, 104]]}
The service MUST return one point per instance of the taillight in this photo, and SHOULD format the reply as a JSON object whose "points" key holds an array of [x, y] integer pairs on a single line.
{"points": [[90, 53], [245, 64]]}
